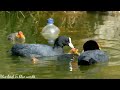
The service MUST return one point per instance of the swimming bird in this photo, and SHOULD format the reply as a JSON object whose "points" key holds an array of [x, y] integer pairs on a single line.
{"points": [[41, 50], [17, 37], [91, 54]]}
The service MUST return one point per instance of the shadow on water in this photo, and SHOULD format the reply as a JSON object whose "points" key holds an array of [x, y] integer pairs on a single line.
{"points": [[92, 69]]}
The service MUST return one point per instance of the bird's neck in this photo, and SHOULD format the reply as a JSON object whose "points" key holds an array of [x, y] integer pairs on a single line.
{"points": [[58, 49]]}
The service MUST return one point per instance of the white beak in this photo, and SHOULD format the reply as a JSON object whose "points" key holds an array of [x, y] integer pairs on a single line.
{"points": [[70, 43]]}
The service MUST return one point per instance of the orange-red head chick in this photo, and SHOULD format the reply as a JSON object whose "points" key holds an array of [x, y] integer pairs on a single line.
{"points": [[74, 51]]}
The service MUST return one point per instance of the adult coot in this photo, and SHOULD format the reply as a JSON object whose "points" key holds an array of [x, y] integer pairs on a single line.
{"points": [[92, 54], [40, 50]]}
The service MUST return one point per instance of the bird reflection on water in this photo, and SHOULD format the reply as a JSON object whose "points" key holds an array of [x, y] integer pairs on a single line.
{"points": [[62, 62]]}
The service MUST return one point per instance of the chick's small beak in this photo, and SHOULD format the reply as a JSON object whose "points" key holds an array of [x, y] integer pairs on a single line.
{"points": [[22, 36]]}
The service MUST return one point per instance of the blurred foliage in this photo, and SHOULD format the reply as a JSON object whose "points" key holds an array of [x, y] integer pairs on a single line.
{"points": [[63, 19], [70, 21]]}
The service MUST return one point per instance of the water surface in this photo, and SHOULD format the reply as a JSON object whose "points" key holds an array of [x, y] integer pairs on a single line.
{"points": [[81, 27]]}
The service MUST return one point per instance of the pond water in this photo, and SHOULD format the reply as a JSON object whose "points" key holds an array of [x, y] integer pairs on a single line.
{"points": [[80, 26]]}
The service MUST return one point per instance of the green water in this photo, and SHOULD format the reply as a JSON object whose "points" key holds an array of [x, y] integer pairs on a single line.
{"points": [[79, 26]]}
